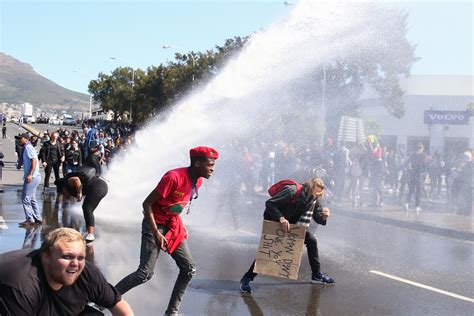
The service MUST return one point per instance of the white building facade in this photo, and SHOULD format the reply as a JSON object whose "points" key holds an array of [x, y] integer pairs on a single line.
{"points": [[436, 114]]}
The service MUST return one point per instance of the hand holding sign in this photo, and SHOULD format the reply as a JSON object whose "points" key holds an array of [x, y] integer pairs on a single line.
{"points": [[280, 251], [285, 224]]}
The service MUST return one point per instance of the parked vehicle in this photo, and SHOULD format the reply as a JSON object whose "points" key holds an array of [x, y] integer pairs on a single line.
{"points": [[42, 119], [55, 121], [68, 120], [29, 119], [26, 109]]}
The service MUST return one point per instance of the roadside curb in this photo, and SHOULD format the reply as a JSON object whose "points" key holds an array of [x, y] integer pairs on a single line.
{"points": [[440, 231]]}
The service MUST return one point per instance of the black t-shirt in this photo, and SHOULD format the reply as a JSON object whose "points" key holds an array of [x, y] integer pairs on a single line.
{"points": [[93, 162], [418, 164], [25, 291], [53, 152]]}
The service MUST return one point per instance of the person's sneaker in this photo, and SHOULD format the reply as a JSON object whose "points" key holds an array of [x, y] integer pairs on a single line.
{"points": [[406, 206], [90, 237], [322, 278], [245, 285], [26, 223], [418, 209]]}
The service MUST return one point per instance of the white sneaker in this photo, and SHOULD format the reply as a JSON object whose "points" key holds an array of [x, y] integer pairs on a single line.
{"points": [[406, 206], [418, 209], [90, 237]]}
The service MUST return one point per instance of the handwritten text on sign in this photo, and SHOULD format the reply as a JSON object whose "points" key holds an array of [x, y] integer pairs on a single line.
{"points": [[279, 253]]}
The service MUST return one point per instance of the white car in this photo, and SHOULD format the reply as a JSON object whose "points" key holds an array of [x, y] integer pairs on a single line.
{"points": [[55, 121], [69, 120], [29, 119]]}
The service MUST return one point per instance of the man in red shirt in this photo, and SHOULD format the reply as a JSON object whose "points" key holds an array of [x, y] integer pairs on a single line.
{"points": [[162, 227]]}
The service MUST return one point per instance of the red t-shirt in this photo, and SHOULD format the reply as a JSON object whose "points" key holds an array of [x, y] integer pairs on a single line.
{"points": [[377, 152], [175, 188]]}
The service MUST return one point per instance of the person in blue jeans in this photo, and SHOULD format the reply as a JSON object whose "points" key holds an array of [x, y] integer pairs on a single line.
{"points": [[31, 179]]}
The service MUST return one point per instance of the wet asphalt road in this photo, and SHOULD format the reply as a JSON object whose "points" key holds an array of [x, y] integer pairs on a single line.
{"points": [[349, 249]]}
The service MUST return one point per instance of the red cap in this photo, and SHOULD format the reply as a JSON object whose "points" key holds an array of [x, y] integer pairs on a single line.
{"points": [[203, 151]]}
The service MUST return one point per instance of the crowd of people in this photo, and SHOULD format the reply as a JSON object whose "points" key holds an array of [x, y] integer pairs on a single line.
{"points": [[362, 174], [369, 174], [80, 155], [95, 146]]}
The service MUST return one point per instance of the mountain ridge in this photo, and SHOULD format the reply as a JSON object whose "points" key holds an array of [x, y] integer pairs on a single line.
{"points": [[19, 83]]}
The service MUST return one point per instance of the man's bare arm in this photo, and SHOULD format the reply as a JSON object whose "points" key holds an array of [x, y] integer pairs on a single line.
{"points": [[122, 309]]}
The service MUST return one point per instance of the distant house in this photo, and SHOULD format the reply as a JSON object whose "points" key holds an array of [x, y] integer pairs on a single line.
{"points": [[101, 115]]}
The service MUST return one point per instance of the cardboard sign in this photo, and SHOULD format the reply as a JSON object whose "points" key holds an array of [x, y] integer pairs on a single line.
{"points": [[279, 253]]}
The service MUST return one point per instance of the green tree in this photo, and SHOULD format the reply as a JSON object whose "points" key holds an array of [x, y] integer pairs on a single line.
{"points": [[116, 91]]}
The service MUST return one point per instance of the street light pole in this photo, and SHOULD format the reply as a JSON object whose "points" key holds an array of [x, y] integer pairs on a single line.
{"points": [[323, 105], [90, 105], [184, 51], [90, 100], [132, 83]]}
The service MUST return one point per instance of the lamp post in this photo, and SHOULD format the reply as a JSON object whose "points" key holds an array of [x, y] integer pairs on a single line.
{"points": [[323, 106], [90, 100], [184, 51], [132, 82]]}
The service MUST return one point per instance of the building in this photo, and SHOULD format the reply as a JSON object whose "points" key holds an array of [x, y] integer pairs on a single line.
{"points": [[435, 114], [101, 115]]}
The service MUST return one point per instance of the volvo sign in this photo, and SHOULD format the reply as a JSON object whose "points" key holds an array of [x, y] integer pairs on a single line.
{"points": [[447, 117]]}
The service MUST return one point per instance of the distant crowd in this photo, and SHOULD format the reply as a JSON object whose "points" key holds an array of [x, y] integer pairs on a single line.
{"points": [[365, 174], [368, 174], [95, 145]]}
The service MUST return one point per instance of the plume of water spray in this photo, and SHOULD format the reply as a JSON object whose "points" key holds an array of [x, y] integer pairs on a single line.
{"points": [[241, 100]]}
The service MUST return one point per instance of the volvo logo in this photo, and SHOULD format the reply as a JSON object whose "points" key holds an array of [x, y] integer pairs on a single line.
{"points": [[447, 117]]}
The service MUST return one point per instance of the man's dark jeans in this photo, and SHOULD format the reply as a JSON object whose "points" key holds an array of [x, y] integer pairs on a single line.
{"points": [[148, 254]]}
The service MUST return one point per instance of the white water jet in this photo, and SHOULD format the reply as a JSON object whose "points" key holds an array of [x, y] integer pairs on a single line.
{"points": [[255, 87]]}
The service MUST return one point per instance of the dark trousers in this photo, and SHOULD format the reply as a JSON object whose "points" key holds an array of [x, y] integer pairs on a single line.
{"points": [[148, 254], [435, 183], [96, 190], [47, 172], [414, 188], [311, 245], [403, 183]]}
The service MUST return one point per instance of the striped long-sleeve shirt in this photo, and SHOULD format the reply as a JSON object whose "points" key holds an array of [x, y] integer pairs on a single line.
{"points": [[281, 205]]}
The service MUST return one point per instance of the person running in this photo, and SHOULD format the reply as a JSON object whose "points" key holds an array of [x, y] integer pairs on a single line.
{"points": [[162, 226], [296, 204]]}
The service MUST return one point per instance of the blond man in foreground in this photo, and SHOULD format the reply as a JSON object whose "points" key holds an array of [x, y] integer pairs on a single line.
{"points": [[55, 279]]}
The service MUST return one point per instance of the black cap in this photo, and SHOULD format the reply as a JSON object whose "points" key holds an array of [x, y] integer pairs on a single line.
{"points": [[20, 136], [93, 144]]}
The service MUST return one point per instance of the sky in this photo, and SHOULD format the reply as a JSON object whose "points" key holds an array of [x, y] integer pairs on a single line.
{"points": [[71, 41]]}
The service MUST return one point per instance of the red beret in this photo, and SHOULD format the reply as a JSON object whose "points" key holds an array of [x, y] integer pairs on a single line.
{"points": [[203, 151]]}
